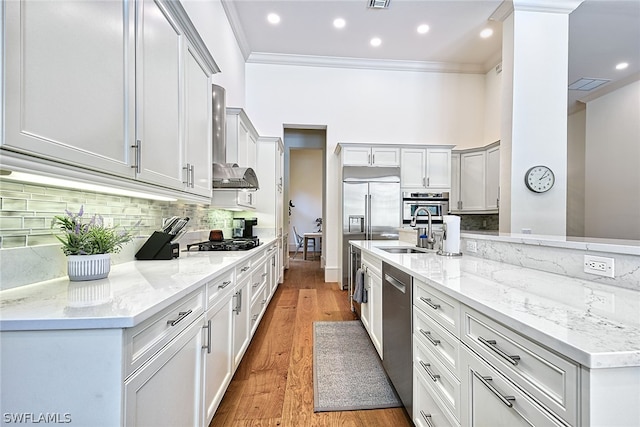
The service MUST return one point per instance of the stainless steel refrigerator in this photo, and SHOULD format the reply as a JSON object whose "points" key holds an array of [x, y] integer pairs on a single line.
{"points": [[371, 210]]}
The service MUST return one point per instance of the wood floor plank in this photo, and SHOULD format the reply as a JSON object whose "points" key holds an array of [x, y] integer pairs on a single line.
{"points": [[273, 386]]}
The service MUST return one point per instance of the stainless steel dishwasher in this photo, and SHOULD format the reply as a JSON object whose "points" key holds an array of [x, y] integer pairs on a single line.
{"points": [[397, 354]]}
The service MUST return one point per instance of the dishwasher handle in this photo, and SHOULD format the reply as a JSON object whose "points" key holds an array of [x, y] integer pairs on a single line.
{"points": [[395, 283]]}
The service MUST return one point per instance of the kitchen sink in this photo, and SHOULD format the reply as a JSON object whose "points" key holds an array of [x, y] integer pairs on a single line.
{"points": [[405, 250]]}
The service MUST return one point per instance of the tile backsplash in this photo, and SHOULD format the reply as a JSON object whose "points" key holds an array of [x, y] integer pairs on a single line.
{"points": [[26, 212]]}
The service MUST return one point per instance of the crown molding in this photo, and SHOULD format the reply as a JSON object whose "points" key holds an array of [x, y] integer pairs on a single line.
{"points": [[363, 63], [234, 20], [548, 6]]}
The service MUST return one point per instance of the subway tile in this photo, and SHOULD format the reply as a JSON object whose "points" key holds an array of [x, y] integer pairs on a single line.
{"points": [[41, 239], [10, 223], [14, 204], [11, 186], [34, 189], [37, 223], [46, 206], [13, 241], [13, 194]]}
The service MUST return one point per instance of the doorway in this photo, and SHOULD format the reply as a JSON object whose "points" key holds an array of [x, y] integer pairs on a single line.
{"points": [[305, 173]]}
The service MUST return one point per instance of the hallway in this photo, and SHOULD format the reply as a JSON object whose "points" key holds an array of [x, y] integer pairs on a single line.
{"points": [[273, 385]]}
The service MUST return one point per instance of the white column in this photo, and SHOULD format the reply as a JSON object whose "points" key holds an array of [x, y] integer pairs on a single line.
{"points": [[534, 125]]}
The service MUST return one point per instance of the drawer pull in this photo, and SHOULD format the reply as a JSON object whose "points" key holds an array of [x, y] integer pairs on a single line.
{"points": [[208, 328], [427, 367], [224, 284], [181, 315], [245, 268], [427, 334], [507, 400], [430, 303], [427, 418], [255, 285], [491, 344], [264, 275]]}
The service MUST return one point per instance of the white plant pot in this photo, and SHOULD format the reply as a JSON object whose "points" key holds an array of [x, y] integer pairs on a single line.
{"points": [[88, 267]]}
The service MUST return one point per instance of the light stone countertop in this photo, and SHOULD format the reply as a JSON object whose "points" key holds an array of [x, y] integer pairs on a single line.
{"points": [[593, 324], [133, 292]]}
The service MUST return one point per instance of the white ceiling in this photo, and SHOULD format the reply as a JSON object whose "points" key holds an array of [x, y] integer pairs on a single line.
{"points": [[602, 33]]}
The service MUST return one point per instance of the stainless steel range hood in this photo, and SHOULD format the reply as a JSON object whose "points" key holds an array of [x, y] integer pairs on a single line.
{"points": [[227, 176]]}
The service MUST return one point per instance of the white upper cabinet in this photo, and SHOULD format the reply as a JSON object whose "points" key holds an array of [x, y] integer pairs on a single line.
{"points": [[472, 180], [67, 71], [426, 168], [354, 155], [492, 183], [270, 204], [121, 87], [476, 174], [241, 139]]}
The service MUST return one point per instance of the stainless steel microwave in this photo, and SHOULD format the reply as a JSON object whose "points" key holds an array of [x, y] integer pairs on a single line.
{"points": [[436, 203]]}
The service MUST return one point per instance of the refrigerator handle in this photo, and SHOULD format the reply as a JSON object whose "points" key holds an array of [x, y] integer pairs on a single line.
{"points": [[369, 217], [366, 217]]}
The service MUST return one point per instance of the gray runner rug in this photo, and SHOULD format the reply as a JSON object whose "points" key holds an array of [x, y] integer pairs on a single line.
{"points": [[347, 371]]}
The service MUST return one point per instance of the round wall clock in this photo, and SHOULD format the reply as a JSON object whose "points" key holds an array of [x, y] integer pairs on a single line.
{"points": [[539, 179]]}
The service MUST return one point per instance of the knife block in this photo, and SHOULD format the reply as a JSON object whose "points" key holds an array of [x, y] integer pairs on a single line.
{"points": [[158, 246]]}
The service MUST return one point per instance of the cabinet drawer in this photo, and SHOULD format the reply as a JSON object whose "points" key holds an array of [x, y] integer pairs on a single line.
{"points": [[493, 400], [428, 409], [548, 377], [243, 269], [259, 278], [443, 309], [257, 307], [146, 339], [373, 263], [218, 286], [439, 378], [445, 346]]}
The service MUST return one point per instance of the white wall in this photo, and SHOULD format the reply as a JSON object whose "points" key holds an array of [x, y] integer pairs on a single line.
{"points": [[612, 156], [576, 126], [492, 106], [211, 22], [305, 189], [360, 105]]}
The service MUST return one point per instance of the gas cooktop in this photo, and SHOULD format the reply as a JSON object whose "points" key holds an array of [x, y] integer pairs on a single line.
{"points": [[239, 244]]}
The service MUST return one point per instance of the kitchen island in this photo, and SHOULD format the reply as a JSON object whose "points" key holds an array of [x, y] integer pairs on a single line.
{"points": [[563, 316], [156, 343]]}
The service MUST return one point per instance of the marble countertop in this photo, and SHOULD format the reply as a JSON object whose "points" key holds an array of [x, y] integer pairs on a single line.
{"points": [[595, 325], [133, 292]]}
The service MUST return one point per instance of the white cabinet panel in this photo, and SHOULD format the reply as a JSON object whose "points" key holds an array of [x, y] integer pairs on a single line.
{"points": [[67, 69], [366, 155], [438, 168], [414, 168], [493, 178], [472, 180], [385, 156]]}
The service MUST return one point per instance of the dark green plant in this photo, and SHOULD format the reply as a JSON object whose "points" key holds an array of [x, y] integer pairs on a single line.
{"points": [[88, 238]]}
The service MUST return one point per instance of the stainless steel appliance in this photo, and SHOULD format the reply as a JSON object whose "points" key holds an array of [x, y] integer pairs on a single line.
{"points": [[397, 329], [370, 211], [243, 227], [436, 203]]}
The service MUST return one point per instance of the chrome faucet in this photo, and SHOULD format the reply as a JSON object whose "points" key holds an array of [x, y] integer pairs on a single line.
{"points": [[430, 240]]}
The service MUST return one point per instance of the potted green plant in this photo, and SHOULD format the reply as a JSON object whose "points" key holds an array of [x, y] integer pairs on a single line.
{"points": [[88, 244]]}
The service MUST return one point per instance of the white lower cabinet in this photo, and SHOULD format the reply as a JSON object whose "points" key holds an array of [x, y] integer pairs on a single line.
{"points": [[493, 400], [428, 409], [166, 390], [371, 311], [241, 312]]}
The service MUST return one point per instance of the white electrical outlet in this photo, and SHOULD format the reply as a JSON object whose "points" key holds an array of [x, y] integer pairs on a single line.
{"points": [[107, 221], [472, 246], [600, 266]]}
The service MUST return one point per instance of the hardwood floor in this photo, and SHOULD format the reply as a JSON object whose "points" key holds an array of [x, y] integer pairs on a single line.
{"points": [[273, 385]]}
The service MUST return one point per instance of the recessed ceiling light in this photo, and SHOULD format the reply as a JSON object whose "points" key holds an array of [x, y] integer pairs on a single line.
{"points": [[423, 29], [375, 42], [622, 66], [486, 33], [339, 23], [273, 18]]}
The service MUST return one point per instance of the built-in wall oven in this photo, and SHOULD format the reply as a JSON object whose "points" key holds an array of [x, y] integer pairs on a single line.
{"points": [[436, 203]]}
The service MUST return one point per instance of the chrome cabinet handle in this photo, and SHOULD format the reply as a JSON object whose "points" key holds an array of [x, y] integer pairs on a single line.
{"points": [[264, 275], [238, 306], [507, 400], [429, 303], [255, 285], [428, 181], [193, 176], [429, 337], [224, 284], [491, 344], [243, 269], [181, 315], [427, 367], [208, 328], [187, 170], [136, 155], [427, 418], [254, 317]]}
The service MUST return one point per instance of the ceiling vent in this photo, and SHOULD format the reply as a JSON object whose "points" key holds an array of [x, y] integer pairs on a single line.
{"points": [[379, 4], [587, 84]]}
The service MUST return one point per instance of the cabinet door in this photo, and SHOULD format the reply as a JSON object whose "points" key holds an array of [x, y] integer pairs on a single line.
{"points": [[68, 72], [218, 354], [365, 307], [385, 156], [159, 102], [241, 312], [356, 156], [375, 302], [166, 390], [414, 168], [472, 180], [438, 168], [493, 178], [198, 126], [495, 401]]}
